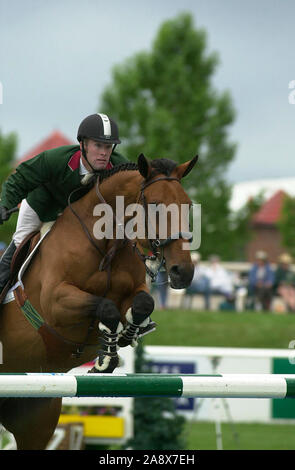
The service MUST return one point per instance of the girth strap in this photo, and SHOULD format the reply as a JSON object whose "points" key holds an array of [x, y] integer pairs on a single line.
{"points": [[57, 347]]}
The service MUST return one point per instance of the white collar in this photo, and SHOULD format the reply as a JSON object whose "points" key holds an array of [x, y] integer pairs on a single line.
{"points": [[82, 169]]}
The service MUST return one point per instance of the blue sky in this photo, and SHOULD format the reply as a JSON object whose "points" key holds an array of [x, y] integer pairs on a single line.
{"points": [[56, 57]]}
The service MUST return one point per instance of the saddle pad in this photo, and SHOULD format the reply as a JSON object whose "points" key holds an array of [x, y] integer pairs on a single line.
{"points": [[10, 295]]}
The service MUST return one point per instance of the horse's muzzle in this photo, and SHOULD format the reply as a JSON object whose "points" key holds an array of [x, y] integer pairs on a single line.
{"points": [[181, 275]]}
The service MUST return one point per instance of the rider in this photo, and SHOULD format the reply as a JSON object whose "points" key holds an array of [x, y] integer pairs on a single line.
{"points": [[43, 184]]}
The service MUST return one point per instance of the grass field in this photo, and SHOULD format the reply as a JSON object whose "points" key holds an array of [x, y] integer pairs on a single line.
{"points": [[240, 436], [222, 329], [228, 329]]}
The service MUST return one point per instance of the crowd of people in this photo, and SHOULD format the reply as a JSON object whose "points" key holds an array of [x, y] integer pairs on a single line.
{"points": [[266, 282], [259, 287]]}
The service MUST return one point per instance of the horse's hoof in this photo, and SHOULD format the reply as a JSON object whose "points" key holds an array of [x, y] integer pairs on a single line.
{"points": [[132, 332], [105, 364]]}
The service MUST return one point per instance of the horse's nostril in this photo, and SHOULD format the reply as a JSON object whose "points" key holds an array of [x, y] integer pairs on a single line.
{"points": [[180, 276], [175, 270]]}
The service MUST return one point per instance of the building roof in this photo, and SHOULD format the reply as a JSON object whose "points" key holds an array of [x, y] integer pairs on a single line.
{"points": [[270, 211], [245, 190], [55, 139]]}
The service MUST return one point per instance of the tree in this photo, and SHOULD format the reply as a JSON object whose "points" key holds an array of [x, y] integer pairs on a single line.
{"points": [[166, 106], [242, 224], [286, 224], [157, 426], [8, 146]]}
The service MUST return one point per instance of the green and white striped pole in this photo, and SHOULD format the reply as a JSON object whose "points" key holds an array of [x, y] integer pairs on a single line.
{"points": [[134, 385]]}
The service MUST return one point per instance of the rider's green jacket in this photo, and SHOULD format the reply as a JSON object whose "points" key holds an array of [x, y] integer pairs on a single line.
{"points": [[47, 180]]}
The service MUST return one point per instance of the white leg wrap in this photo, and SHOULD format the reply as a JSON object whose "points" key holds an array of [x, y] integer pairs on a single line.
{"points": [[103, 327], [105, 363], [131, 330]]}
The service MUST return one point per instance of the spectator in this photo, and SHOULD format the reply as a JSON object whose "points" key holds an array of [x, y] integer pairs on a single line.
{"points": [[162, 288], [221, 282], [284, 283], [200, 283], [261, 280]]}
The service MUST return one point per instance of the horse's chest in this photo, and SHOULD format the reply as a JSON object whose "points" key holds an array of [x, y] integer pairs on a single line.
{"points": [[122, 282]]}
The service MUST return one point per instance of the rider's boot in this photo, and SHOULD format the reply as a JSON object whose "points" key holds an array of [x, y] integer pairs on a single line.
{"points": [[5, 263]]}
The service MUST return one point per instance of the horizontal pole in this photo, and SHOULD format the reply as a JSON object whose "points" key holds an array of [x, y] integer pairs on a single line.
{"points": [[149, 385]]}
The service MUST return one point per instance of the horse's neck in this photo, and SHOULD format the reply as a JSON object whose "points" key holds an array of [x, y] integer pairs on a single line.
{"points": [[125, 183]]}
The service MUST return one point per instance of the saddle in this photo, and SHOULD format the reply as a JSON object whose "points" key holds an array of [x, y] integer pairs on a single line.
{"points": [[19, 257]]}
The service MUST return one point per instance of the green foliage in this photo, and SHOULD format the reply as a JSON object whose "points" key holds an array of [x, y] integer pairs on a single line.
{"points": [[240, 225], [286, 224], [166, 106], [8, 146], [156, 424]]}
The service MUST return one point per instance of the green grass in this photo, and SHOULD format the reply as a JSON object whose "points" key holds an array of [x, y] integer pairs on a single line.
{"points": [[228, 329], [249, 436], [221, 329]]}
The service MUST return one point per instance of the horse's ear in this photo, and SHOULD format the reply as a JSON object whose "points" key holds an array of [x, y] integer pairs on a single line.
{"points": [[144, 166], [182, 170]]}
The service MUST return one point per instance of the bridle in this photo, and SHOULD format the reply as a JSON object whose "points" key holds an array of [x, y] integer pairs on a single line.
{"points": [[156, 244]]}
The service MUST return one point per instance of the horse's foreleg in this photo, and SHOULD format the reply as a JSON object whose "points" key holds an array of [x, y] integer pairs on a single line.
{"points": [[71, 305], [138, 316], [110, 326]]}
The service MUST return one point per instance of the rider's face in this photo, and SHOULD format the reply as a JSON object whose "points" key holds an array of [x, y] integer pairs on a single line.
{"points": [[98, 154]]}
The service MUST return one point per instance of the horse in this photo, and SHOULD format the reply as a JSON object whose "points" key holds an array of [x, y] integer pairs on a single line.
{"points": [[82, 297]]}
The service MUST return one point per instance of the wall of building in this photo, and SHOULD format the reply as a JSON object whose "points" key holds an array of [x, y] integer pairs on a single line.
{"points": [[266, 238]]}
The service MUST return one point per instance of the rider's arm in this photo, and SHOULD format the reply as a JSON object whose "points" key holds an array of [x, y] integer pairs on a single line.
{"points": [[27, 176]]}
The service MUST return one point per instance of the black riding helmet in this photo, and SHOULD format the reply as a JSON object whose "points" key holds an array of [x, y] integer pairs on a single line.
{"points": [[99, 127]]}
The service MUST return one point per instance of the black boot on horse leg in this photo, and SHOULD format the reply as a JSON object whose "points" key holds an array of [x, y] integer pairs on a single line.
{"points": [[110, 326], [138, 320], [5, 263]]}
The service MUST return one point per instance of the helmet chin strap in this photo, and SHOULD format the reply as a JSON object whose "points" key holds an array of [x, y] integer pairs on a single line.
{"points": [[85, 156]]}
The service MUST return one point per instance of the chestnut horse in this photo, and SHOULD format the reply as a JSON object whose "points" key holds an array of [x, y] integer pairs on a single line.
{"points": [[88, 296]]}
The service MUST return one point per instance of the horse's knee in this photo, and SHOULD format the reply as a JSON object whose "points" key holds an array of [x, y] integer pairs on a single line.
{"points": [[144, 303], [108, 315]]}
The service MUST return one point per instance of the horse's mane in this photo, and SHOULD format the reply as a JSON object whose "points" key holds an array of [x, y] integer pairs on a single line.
{"points": [[104, 174], [160, 165]]}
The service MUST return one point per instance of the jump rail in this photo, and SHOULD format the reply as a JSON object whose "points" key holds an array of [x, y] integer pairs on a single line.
{"points": [[149, 385]]}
